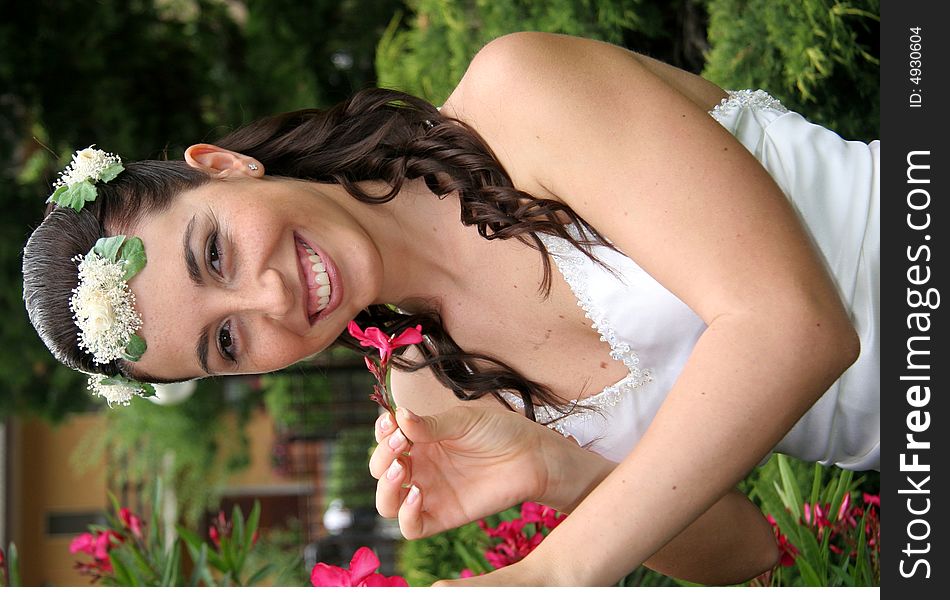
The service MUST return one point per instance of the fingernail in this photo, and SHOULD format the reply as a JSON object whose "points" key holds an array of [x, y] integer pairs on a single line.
{"points": [[413, 495], [394, 470], [409, 415], [385, 423], [397, 439]]}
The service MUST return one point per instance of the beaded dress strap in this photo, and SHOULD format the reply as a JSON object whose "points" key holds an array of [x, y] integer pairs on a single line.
{"points": [[755, 99]]}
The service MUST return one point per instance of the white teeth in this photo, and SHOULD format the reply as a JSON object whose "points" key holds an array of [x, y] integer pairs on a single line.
{"points": [[317, 265], [321, 278]]}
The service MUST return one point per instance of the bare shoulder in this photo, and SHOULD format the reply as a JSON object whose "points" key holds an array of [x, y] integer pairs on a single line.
{"points": [[510, 65], [523, 87]]}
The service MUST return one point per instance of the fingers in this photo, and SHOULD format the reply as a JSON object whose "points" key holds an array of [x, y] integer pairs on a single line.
{"points": [[384, 426], [410, 514], [388, 465], [392, 443], [389, 489]]}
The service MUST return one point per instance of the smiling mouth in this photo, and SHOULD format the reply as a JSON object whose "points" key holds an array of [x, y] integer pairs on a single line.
{"points": [[316, 278]]}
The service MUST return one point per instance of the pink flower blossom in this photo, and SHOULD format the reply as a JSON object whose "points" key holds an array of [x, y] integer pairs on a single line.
{"points": [[96, 546], [515, 542], [84, 542], [219, 528], [131, 521], [787, 550], [374, 338], [466, 573], [361, 573], [532, 512]]}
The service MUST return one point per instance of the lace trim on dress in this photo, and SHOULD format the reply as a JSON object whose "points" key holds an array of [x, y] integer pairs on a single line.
{"points": [[755, 99], [571, 262]]}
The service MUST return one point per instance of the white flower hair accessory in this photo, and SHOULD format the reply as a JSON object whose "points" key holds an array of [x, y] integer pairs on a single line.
{"points": [[77, 182], [119, 390], [103, 308]]}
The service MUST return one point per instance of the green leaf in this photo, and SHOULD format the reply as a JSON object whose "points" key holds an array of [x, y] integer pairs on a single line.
{"points": [[135, 349], [200, 565], [793, 496], [110, 172], [56, 196], [154, 541], [133, 255], [259, 574], [145, 573], [82, 193], [816, 485], [844, 483], [75, 195], [469, 559], [123, 576], [172, 562], [237, 527], [191, 540], [113, 501], [108, 247], [251, 526], [808, 572], [13, 559]]}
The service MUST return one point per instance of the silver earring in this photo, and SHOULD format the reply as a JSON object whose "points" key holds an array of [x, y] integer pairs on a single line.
{"points": [[252, 166]]}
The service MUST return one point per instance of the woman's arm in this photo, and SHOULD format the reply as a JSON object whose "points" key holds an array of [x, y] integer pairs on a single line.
{"points": [[587, 123], [471, 461]]}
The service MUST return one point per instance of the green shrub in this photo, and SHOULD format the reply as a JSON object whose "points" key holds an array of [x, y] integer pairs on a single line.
{"points": [[819, 57], [830, 544], [428, 56], [443, 556]]}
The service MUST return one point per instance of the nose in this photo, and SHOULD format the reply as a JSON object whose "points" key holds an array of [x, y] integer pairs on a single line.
{"points": [[267, 294]]}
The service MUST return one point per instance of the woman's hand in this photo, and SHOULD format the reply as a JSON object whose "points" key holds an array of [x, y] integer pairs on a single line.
{"points": [[470, 462]]}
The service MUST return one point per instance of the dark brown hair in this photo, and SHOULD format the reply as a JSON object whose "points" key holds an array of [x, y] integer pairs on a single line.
{"points": [[377, 135]]}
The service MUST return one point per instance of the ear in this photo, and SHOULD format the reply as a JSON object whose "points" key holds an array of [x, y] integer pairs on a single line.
{"points": [[219, 162]]}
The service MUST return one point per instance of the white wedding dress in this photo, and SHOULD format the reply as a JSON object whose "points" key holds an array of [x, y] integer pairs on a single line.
{"points": [[834, 185]]}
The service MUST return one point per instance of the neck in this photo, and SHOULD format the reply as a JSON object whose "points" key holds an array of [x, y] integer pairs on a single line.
{"points": [[422, 244]]}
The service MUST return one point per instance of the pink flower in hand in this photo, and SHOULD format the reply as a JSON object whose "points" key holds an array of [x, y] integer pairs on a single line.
{"points": [[374, 338], [360, 574]]}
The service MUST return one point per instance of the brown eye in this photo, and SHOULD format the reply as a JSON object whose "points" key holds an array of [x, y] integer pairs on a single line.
{"points": [[214, 254], [225, 343]]}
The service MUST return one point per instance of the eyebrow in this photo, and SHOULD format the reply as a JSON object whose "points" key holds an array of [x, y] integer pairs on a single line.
{"points": [[194, 273], [201, 350]]}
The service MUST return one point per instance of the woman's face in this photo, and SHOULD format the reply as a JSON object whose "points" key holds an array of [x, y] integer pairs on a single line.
{"points": [[249, 275]]}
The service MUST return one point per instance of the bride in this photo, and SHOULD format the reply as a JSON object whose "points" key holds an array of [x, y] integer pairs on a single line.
{"points": [[670, 282]]}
